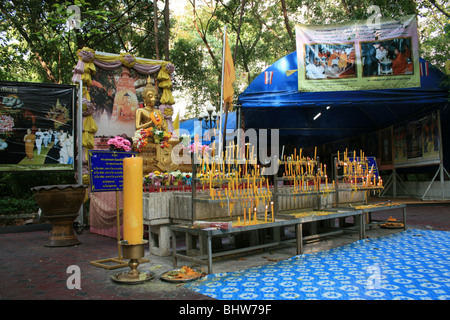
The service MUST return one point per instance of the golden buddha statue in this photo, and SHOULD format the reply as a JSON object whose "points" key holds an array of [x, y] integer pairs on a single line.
{"points": [[149, 116], [154, 155]]}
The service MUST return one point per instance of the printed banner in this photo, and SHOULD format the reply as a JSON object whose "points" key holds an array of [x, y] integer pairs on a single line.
{"points": [[417, 142], [36, 126], [361, 55], [116, 95]]}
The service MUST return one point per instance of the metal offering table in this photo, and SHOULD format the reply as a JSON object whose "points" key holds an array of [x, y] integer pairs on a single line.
{"points": [[369, 209], [322, 215], [297, 222]]}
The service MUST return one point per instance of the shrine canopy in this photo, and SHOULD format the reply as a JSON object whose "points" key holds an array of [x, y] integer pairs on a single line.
{"points": [[307, 119]]}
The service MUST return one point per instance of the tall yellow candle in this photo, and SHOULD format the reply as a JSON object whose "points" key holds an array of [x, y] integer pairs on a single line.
{"points": [[271, 207], [133, 221]]}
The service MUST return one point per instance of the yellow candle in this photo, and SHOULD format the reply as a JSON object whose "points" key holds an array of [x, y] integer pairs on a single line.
{"points": [[133, 221], [239, 221], [271, 204], [248, 147], [244, 215], [265, 214]]}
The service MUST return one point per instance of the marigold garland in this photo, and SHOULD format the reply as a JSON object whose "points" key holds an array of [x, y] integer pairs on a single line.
{"points": [[156, 120], [140, 137]]}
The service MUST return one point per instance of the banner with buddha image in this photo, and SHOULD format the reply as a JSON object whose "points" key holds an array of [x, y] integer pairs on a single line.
{"points": [[360, 55], [116, 95], [113, 85], [37, 130]]}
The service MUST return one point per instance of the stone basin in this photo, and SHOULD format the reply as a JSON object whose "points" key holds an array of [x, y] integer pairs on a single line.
{"points": [[60, 205]]}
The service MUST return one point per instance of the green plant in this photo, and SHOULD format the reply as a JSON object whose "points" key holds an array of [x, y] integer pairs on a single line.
{"points": [[9, 206]]}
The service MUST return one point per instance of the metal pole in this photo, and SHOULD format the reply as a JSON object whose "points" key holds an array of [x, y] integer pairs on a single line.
{"points": [[394, 183], [221, 92], [441, 154], [239, 127], [80, 144]]}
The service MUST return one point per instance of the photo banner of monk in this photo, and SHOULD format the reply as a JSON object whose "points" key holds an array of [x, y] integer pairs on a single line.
{"points": [[360, 55], [37, 126]]}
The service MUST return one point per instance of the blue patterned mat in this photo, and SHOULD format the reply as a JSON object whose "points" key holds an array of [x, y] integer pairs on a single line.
{"points": [[409, 265]]}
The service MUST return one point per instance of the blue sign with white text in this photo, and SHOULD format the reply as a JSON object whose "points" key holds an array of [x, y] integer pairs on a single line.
{"points": [[106, 169]]}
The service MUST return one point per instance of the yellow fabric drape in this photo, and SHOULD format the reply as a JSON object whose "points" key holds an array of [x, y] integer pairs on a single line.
{"points": [[127, 64], [166, 84], [86, 93], [89, 129], [89, 67], [111, 58]]}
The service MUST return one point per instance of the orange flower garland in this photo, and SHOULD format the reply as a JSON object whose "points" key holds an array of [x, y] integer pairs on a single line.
{"points": [[156, 120]]}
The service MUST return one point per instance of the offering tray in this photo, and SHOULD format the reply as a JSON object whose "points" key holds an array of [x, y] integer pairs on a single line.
{"points": [[182, 275]]}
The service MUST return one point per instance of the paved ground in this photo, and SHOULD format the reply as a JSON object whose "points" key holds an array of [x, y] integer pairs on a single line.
{"points": [[31, 271]]}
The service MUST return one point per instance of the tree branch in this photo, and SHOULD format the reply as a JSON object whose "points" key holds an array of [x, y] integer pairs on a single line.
{"points": [[288, 26], [33, 48], [439, 8], [202, 35]]}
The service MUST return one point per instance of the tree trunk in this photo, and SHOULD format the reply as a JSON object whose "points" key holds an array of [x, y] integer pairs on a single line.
{"points": [[166, 30], [155, 27], [205, 41], [239, 29], [288, 26]]}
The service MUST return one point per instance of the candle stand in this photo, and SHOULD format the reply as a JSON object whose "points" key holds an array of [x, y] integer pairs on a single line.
{"points": [[133, 252]]}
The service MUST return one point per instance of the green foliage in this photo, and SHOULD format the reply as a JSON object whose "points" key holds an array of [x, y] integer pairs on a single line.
{"points": [[15, 188], [13, 206], [192, 73], [36, 44], [19, 184]]}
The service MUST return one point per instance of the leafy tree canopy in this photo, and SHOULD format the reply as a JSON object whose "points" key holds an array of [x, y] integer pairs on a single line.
{"points": [[37, 45]]}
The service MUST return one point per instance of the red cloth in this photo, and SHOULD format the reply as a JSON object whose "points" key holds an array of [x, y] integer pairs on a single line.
{"points": [[399, 64]]}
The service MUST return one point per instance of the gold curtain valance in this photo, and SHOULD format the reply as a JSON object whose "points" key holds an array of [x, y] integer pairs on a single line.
{"points": [[89, 59]]}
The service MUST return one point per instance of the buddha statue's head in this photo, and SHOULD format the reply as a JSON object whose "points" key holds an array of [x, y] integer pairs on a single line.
{"points": [[149, 94]]}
